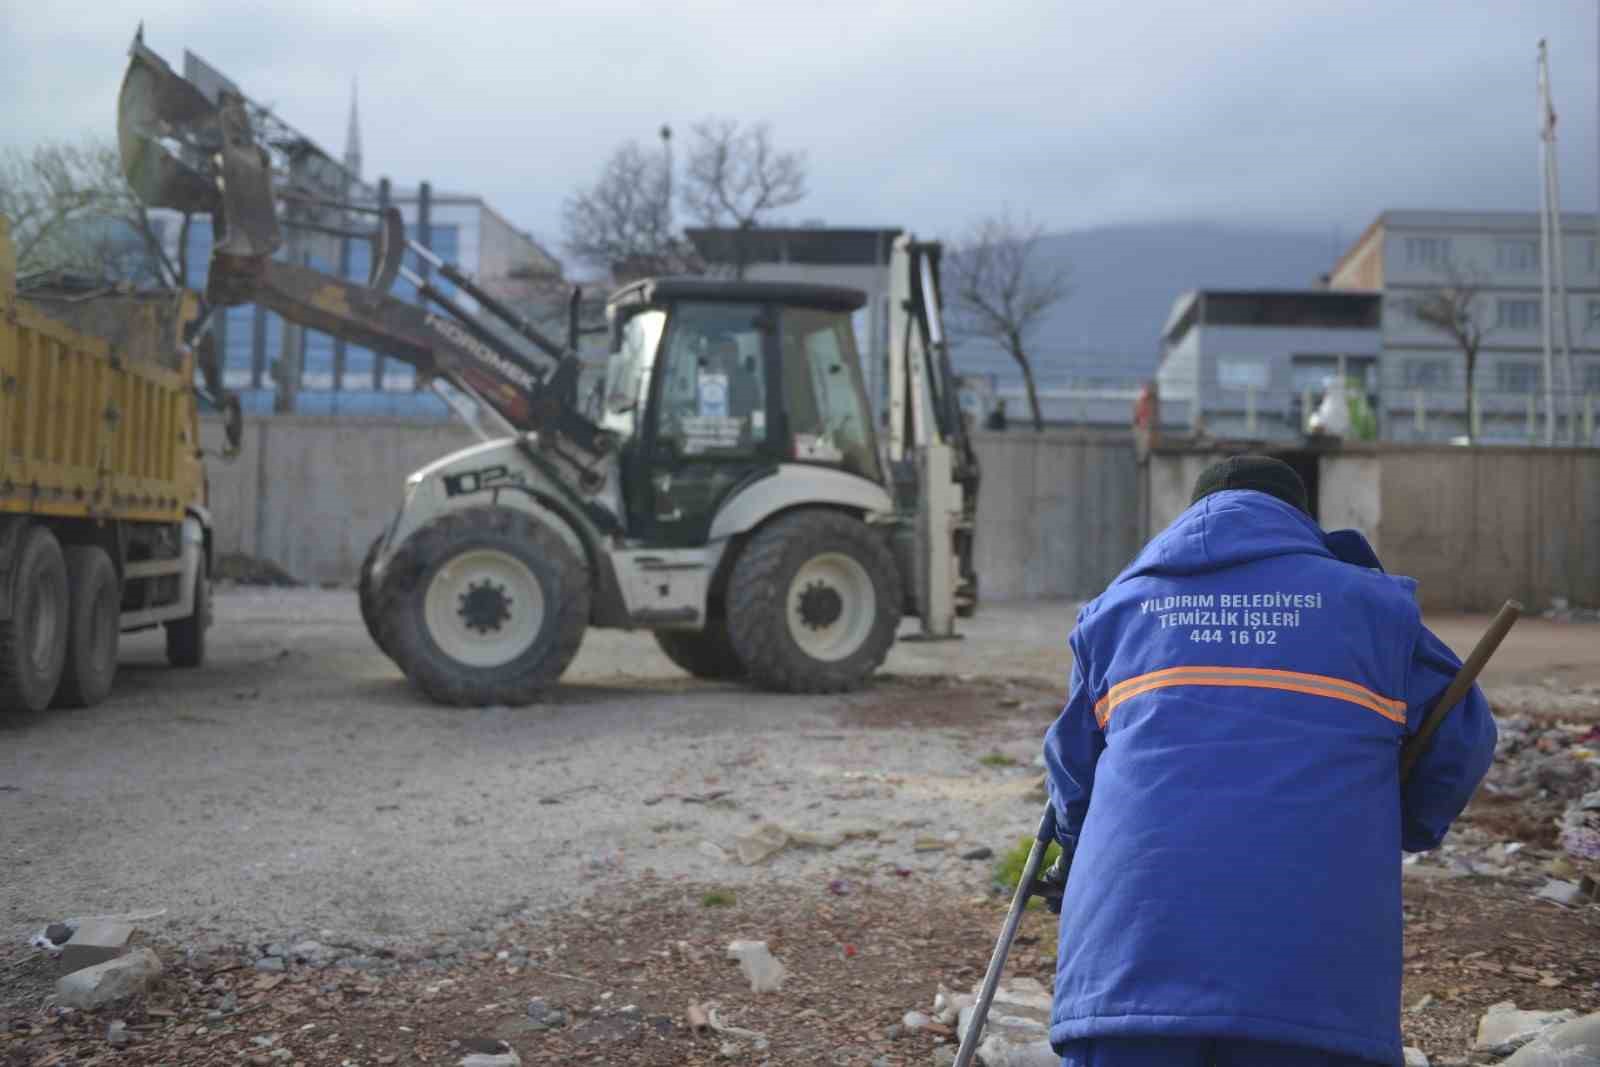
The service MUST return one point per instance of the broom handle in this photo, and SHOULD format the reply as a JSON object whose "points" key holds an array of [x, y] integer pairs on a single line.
{"points": [[1417, 744]]}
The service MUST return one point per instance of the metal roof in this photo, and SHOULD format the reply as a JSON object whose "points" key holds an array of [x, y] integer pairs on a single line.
{"points": [[662, 290], [818, 245]]}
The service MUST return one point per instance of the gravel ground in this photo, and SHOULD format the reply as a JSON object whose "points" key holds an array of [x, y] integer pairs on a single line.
{"points": [[297, 783]]}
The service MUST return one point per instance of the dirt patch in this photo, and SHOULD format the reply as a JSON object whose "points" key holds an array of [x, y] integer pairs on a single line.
{"points": [[953, 703], [618, 977]]}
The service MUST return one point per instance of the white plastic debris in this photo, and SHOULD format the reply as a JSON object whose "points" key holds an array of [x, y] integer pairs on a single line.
{"points": [[759, 965]]}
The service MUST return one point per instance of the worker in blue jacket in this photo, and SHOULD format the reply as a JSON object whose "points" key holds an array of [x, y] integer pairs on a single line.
{"points": [[1225, 779]]}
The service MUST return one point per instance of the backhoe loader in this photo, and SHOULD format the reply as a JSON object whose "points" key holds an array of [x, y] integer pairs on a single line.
{"points": [[725, 487]]}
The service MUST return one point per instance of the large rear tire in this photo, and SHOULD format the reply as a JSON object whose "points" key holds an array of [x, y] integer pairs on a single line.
{"points": [[483, 606], [93, 627], [186, 638], [33, 642], [367, 594], [706, 653], [814, 603]]}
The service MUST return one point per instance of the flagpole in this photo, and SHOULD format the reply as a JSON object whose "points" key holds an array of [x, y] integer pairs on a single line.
{"points": [[1545, 134]]}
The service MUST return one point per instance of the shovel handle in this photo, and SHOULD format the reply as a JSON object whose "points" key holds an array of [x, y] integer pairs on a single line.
{"points": [[1418, 743], [1008, 933]]}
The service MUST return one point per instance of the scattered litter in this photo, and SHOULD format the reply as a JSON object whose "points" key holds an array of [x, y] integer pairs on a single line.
{"points": [[1563, 893], [712, 850], [698, 1019], [761, 968], [982, 852], [716, 1023], [117, 1033], [840, 888], [1503, 1029], [489, 1053]]}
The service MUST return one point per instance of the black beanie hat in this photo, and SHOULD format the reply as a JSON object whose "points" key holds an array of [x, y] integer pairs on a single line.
{"points": [[1261, 473]]}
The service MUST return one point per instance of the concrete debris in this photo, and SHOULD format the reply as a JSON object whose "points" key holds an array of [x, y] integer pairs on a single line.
{"points": [[713, 851], [1415, 1057], [270, 964], [715, 1022], [1017, 1031], [117, 1033], [698, 1019], [489, 1053], [761, 968], [914, 1020], [1563, 893], [1503, 1029], [944, 1056], [96, 986], [543, 1017], [1552, 772], [1573, 1044]]}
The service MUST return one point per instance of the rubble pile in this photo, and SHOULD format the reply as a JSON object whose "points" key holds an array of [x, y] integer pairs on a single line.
{"points": [[1536, 817]]}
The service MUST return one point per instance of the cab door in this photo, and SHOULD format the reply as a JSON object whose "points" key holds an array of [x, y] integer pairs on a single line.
{"points": [[710, 421]]}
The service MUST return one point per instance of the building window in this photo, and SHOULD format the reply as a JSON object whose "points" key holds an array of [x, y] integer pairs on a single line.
{"points": [[1592, 315], [1427, 373], [1591, 378], [1594, 256], [1241, 374], [1516, 377], [1516, 257], [1516, 314], [1427, 251]]}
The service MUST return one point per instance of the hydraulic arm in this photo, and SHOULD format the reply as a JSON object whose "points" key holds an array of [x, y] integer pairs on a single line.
{"points": [[183, 151]]}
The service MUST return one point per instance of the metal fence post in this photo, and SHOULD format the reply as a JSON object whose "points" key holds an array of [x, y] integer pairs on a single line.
{"points": [[1250, 410], [1419, 412]]}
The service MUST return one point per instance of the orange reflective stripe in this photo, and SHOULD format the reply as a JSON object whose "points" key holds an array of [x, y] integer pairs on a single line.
{"points": [[1320, 685]]}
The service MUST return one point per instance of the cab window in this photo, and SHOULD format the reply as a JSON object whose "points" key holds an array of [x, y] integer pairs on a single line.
{"points": [[827, 411], [627, 381], [713, 384]]}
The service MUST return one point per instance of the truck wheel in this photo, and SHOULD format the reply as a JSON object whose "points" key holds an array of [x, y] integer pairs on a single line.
{"points": [[33, 642], [706, 653], [813, 603], [368, 596], [186, 638], [483, 606], [93, 626]]}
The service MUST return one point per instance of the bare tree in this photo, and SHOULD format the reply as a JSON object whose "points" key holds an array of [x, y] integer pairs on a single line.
{"points": [[735, 178], [624, 222], [71, 209], [1453, 309], [999, 289]]}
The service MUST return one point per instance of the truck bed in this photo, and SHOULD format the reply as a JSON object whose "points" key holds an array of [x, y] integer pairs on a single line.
{"points": [[95, 424]]}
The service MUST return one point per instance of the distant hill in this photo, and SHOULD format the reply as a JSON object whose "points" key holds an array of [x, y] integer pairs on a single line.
{"points": [[1125, 279]]}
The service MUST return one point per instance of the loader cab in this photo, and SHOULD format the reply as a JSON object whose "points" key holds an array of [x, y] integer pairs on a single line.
{"points": [[712, 384]]}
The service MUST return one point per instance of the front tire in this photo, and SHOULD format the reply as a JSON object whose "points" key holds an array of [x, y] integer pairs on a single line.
{"points": [[93, 628], [814, 603], [483, 606], [33, 642], [367, 594], [706, 653]]}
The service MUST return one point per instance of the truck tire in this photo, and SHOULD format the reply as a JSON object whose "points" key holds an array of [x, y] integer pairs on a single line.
{"points": [[813, 603], [94, 623], [33, 642], [706, 653], [368, 596], [186, 638], [483, 606]]}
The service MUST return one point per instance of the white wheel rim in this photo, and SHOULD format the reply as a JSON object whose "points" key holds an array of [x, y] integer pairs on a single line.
{"points": [[484, 608], [832, 605]]}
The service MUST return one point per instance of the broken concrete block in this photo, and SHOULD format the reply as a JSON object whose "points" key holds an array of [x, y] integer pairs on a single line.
{"points": [[1503, 1029], [759, 965], [1415, 1057], [112, 980], [1573, 1044], [1017, 1031], [94, 941]]}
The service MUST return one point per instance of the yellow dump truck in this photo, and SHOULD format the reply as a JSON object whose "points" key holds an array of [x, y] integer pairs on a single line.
{"points": [[103, 520]]}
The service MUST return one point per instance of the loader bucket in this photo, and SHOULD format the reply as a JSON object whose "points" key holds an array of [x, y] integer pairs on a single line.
{"points": [[182, 151], [388, 251]]}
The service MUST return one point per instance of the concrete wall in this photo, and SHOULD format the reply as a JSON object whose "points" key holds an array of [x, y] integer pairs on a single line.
{"points": [[1474, 526], [1479, 526], [311, 493], [1058, 511]]}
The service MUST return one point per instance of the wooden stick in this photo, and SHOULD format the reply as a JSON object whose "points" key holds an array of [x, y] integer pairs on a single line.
{"points": [[1459, 686]]}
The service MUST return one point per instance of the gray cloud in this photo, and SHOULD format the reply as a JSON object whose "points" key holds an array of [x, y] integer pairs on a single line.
{"points": [[1316, 115]]}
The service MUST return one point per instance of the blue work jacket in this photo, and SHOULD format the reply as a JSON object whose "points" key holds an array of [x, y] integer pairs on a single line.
{"points": [[1226, 771]]}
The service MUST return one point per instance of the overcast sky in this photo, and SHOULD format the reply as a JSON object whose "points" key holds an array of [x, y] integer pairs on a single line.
{"points": [[1315, 114]]}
